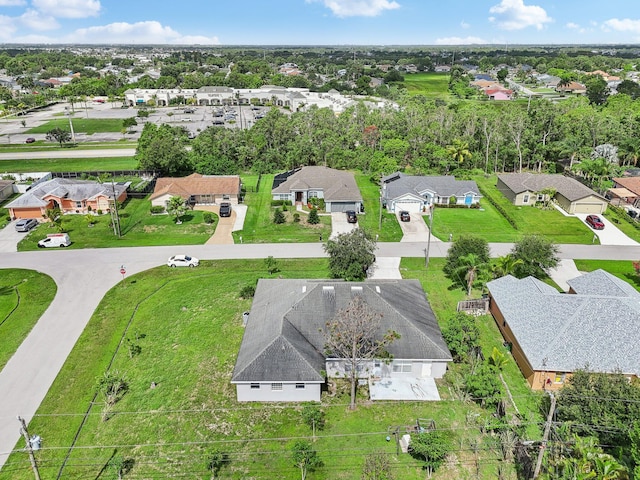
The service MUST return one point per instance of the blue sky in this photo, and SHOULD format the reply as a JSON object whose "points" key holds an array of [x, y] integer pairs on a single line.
{"points": [[325, 22]]}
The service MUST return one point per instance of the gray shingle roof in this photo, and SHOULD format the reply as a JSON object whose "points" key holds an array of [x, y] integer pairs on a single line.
{"points": [[399, 184], [594, 328], [284, 339], [337, 185], [66, 188], [569, 188]]}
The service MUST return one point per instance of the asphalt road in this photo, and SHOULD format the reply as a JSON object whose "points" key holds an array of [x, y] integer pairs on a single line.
{"points": [[83, 278]]}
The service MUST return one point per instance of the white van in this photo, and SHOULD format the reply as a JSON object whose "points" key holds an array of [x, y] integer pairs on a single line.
{"points": [[55, 240]]}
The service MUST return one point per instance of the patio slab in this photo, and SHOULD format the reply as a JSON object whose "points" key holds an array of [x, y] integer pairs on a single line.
{"points": [[404, 389]]}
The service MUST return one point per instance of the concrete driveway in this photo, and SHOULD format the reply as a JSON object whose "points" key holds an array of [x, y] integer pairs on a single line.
{"points": [[9, 238], [610, 234], [415, 230], [340, 225]]}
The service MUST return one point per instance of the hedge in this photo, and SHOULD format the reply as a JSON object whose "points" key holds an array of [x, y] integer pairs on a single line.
{"points": [[498, 207], [279, 203]]}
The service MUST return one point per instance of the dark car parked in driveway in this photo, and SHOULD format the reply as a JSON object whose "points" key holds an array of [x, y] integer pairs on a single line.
{"points": [[351, 216], [405, 216], [225, 209], [594, 222]]}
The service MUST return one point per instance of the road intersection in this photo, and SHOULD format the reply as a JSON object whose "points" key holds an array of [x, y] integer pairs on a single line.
{"points": [[84, 276]]}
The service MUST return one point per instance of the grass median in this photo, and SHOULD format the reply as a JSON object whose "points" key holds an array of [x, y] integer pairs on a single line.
{"points": [[68, 164]]}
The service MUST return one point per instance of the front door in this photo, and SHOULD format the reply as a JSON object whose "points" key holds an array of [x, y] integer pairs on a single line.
{"points": [[298, 197]]}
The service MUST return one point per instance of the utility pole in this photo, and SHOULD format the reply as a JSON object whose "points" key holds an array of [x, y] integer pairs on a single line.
{"points": [[115, 218], [545, 436], [25, 434], [426, 253]]}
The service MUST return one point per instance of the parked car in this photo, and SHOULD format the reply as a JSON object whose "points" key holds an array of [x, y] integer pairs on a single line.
{"points": [[26, 224], [594, 222], [351, 216], [183, 261], [405, 216], [55, 240], [189, 110], [30, 140], [225, 209]]}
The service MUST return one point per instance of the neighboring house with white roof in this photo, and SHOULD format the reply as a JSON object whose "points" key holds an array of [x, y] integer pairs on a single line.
{"points": [[574, 197], [596, 326], [282, 356], [417, 193], [70, 196], [338, 188]]}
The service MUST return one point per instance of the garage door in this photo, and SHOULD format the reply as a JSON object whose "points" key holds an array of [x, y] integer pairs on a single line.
{"points": [[413, 207], [342, 206], [588, 208]]}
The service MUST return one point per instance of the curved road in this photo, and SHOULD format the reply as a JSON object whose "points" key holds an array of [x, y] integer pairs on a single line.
{"points": [[83, 278]]}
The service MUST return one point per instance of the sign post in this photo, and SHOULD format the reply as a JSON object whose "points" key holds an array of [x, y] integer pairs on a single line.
{"points": [[123, 272]]}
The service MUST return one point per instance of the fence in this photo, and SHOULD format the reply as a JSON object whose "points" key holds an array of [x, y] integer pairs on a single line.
{"points": [[144, 174]]}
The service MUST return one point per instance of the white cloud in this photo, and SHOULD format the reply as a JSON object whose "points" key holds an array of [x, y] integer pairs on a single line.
{"points": [[464, 24], [460, 41], [623, 25], [34, 20], [358, 8], [515, 15], [68, 8], [12, 3], [7, 28], [139, 33], [573, 26]]}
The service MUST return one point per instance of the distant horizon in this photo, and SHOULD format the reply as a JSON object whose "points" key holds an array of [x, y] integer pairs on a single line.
{"points": [[319, 22]]}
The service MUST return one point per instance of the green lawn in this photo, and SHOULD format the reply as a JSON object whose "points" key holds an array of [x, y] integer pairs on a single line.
{"points": [[370, 191], [68, 164], [138, 227], [81, 125], [259, 226], [188, 325], [624, 222], [622, 269], [550, 224], [24, 296], [45, 146], [428, 84]]}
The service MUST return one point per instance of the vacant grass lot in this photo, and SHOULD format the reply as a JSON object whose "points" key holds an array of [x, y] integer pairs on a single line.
{"points": [[24, 296], [390, 231], [188, 325], [259, 226], [550, 224], [68, 164], [428, 84], [46, 146], [81, 125], [138, 228], [622, 269]]}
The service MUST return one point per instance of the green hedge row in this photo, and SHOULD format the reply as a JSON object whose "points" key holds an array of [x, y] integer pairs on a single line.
{"points": [[279, 203], [499, 207]]}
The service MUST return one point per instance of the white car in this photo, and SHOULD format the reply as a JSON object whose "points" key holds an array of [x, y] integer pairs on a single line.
{"points": [[183, 261]]}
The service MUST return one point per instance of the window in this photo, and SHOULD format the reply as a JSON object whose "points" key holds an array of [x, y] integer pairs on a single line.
{"points": [[312, 194], [284, 196], [402, 367], [560, 378], [78, 204], [540, 198], [276, 386], [255, 386], [299, 386], [525, 199], [225, 197]]}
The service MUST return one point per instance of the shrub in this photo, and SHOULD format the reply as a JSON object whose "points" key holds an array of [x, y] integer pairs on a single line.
{"points": [[248, 291], [278, 216], [207, 217], [296, 217], [313, 219], [279, 203], [154, 209], [452, 200], [313, 416], [99, 211]]}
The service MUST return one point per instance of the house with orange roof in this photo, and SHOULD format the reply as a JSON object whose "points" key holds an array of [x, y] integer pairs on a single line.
{"points": [[198, 189]]}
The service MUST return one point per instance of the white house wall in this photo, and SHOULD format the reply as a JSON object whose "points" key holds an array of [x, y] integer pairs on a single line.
{"points": [[289, 392]]}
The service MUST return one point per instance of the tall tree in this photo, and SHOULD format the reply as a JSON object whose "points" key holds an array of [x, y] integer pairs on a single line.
{"points": [[163, 149], [354, 336], [470, 270], [176, 207], [460, 248], [351, 254], [305, 458], [59, 135], [537, 254]]}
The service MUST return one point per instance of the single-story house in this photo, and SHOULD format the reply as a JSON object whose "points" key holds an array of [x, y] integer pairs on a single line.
{"points": [[632, 187], [552, 334], [574, 197], [572, 87], [197, 189], [417, 193], [7, 189], [282, 357], [70, 196], [498, 93], [338, 188]]}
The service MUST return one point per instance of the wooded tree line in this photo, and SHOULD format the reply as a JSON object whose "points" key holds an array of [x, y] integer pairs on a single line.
{"points": [[420, 137]]}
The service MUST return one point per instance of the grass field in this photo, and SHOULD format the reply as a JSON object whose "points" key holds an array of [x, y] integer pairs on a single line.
{"points": [[45, 146], [188, 325], [390, 231], [428, 84], [625, 223], [259, 226], [138, 228], [24, 296], [68, 164], [81, 125]]}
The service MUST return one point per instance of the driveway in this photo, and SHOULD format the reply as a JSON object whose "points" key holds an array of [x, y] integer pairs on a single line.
{"points": [[610, 234], [415, 230], [340, 225], [566, 270], [9, 238]]}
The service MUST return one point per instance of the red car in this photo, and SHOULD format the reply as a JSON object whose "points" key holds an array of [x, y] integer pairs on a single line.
{"points": [[30, 140], [594, 222]]}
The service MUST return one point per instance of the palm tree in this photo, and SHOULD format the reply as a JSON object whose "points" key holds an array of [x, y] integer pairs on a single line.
{"points": [[176, 207], [472, 267], [459, 151], [505, 265]]}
